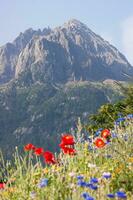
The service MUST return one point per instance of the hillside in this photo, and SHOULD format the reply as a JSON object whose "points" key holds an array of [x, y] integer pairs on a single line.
{"points": [[50, 77]]}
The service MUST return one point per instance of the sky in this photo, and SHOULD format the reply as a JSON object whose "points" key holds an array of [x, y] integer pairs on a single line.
{"points": [[112, 19]]}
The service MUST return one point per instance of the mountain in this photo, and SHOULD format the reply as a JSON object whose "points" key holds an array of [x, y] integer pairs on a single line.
{"points": [[50, 77], [10, 52], [66, 53]]}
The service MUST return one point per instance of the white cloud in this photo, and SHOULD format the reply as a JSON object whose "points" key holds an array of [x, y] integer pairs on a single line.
{"points": [[127, 38]]}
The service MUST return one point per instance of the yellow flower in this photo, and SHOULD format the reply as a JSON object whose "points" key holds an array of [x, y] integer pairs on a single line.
{"points": [[45, 170], [130, 159], [12, 189]]}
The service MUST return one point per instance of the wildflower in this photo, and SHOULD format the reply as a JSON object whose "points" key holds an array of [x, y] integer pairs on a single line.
{"points": [[93, 187], [2, 185], [130, 159], [108, 156], [114, 135], [43, 183], [38, 151], [105, 133], [99, 143], [121, 119], [29, 147], [68, 150], [33, 195], [45, 170], [90, 165], [90, 148], [81, 183], [49, 157], [94, 180], [106, 175], [84, 195], [121, 195], [119, 114], [97, 133], [90, 198], [111, 196], [72, 174], [90, 139], [130, 116], [67, 139], [125, 137], [80, 177]]}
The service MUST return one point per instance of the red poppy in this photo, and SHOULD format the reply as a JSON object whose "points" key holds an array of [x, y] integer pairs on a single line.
{"points": [[49, 157], [61, 145], [99, 143], [67, 139], [70, 151], [38, 151], [105, 133], [29, 147], [2, 185]]}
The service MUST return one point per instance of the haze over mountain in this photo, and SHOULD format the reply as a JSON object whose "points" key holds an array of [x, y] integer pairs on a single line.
{"points": [[50, 77]]}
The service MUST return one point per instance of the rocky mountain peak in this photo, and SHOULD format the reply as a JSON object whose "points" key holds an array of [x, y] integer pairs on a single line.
{"points": [[69, 52], [74, 23]]}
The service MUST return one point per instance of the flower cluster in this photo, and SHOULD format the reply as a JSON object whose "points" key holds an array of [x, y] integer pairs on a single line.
{"points": [[119, 195], [47, 155], [67, 144], [100, 142]]}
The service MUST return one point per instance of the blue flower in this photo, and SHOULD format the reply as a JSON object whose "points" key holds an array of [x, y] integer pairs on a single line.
{"points": [[121, 119], [85, 195], [81, 183], [130, 116], [94, 180], [80, 177], [100, 129], [108, 156], [111, 196], [89, 185], [93, 187], [90, 198], [114, 135], [43, 183], [121, 195], [90, 139], [125, 137], [90, 148], [119, 114], [44, 180], [106, 175], [97, 133], [117, 123]]}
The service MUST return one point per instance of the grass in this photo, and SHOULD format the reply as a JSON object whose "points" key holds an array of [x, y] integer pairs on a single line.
{"points": [[25, 172]]}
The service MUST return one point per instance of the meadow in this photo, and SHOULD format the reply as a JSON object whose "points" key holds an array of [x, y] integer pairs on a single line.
{"points": [[96, 167]]}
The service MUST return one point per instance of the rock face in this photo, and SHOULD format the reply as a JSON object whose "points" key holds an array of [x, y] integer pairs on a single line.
{"points": [[66, 53], [10, 52]]}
